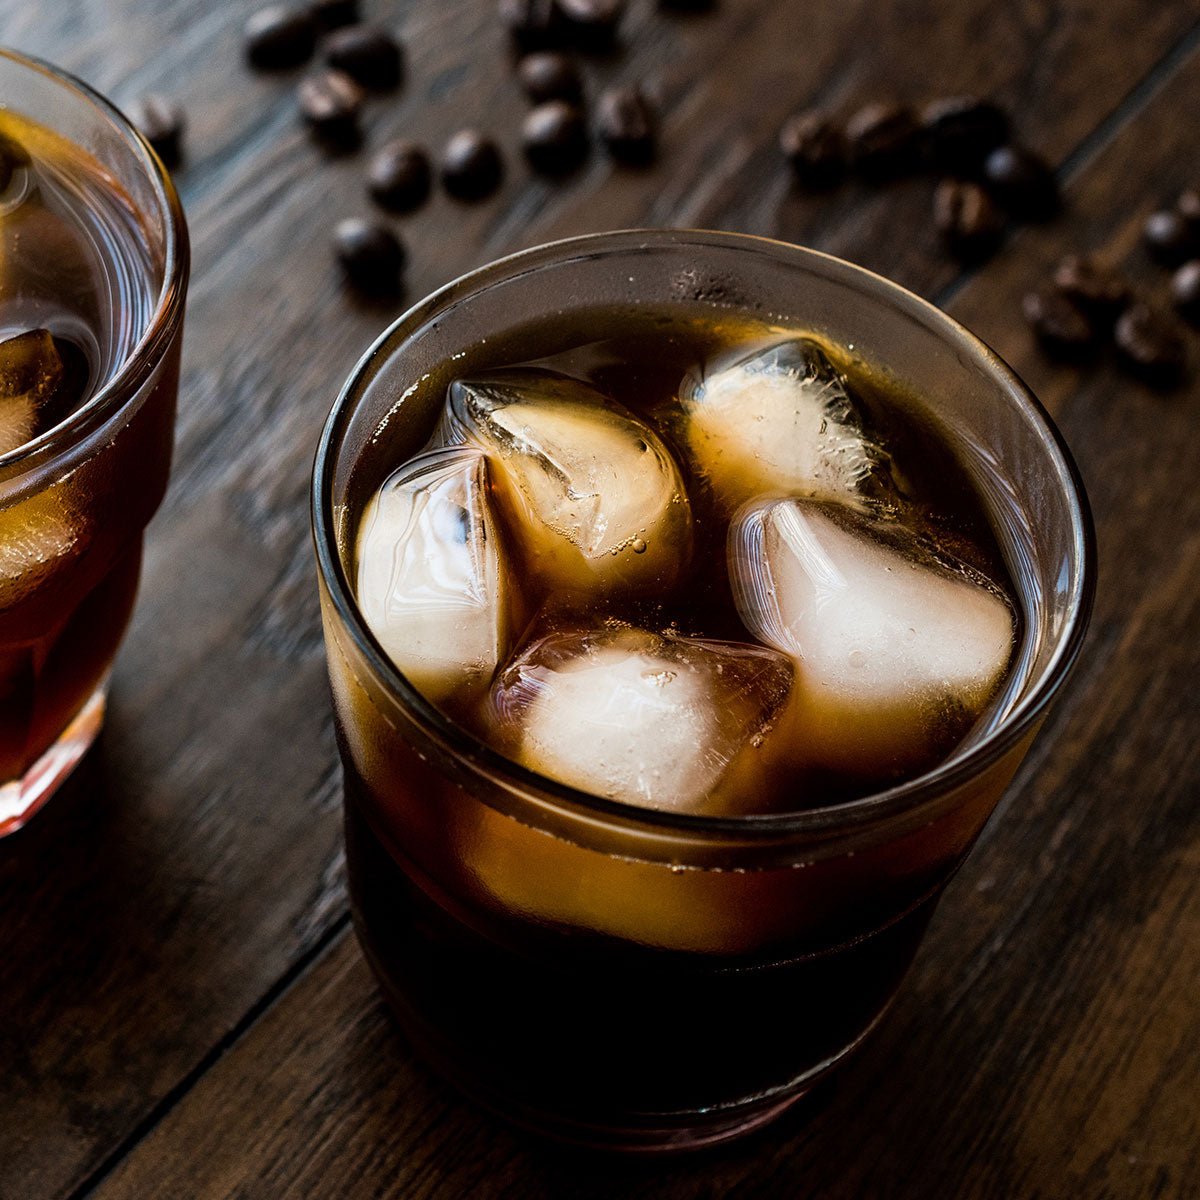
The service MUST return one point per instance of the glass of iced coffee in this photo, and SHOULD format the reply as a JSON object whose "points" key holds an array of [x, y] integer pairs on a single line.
{"points": [[92, 283], [689, 599]]}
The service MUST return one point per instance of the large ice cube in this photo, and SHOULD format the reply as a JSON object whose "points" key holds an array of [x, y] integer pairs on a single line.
{"points": [[31, 370], [37, 536], [591, 492], [897, 649], [432, 580], [646, 718], [779, 420]]}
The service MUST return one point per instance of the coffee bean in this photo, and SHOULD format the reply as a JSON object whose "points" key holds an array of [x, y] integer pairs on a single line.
{"points": [[967, 218], [554, 136], [1022, 181], [883, 140], [533, 24], [471, 165], [332, 14], [330, 102], [161, 122], [372, 255], [548, 75], [1169, 237], [367, 54], [1095, 287], [1059, 325], [960, 132], [627, 124], [1188, 207], [815, 147], [279, 36], [1185, 290], [592, 24], [1150, 343], [399, 176]]}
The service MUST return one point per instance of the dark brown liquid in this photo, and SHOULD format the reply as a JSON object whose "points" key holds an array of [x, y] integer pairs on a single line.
{"points": [[76, 264], [627, 1025]]}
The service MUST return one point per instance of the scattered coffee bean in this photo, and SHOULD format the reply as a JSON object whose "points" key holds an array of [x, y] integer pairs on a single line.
{"points": [[960, 132], [967, 218], [1096, 288], [161, 123], [332, 14], [1061, 327], [471, 165], [1169, 237], [367, 54], [1022, 181], [815, 147], [591, 23], [1188, 207], [548, 75], [1185, 290], [627, 124], [883, 140], [279, 36], [554, 136], [533, 24], [1150, 343], [399, 176], [372, 255], [330, 102]]}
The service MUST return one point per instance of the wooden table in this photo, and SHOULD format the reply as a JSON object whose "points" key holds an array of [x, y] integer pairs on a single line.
{"points": [[184, 1011]]}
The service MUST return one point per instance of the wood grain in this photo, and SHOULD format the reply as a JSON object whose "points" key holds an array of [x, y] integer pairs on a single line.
{"points": [[178, 980]]}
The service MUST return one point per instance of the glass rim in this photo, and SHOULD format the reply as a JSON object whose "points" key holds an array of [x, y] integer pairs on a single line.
{"points": [[842, 817], [127, 380]]}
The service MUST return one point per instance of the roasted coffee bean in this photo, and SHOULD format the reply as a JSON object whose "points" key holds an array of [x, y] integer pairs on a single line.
{"points": [[1169, 237], [548, 75], [627, 124], [533, 24], [554, 136], [161, 123], [1061, 327], [330, 102], [1150, 342], [815, 147], [471, 165], [332, 14], [279, 36], [967, 218], [1185, 289], [960, 132], [1188, 207], [367, 54], [592, 24], [372, 255], [884, 140], [1022, 181], [400, 176], [1095, 287]]}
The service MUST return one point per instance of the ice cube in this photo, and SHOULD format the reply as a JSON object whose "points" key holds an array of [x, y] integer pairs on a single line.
{"points": [[433, 584], [650, 719], [897, 649], [779, 420], [31, 370], [594, 497], [37, 534]]}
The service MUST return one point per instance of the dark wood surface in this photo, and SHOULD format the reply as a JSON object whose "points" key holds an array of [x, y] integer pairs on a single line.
{"points": [[183, 1008]]}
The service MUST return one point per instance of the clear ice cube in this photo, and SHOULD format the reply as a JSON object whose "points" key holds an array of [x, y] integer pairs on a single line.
{"points": [[779, 420], [592, 494], [433, 584], [646, 718], [37, 535], [897, 648], [31, 370]]}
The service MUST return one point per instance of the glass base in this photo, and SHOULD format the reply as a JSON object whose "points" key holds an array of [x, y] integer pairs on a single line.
{"points": [[21, 798]]}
